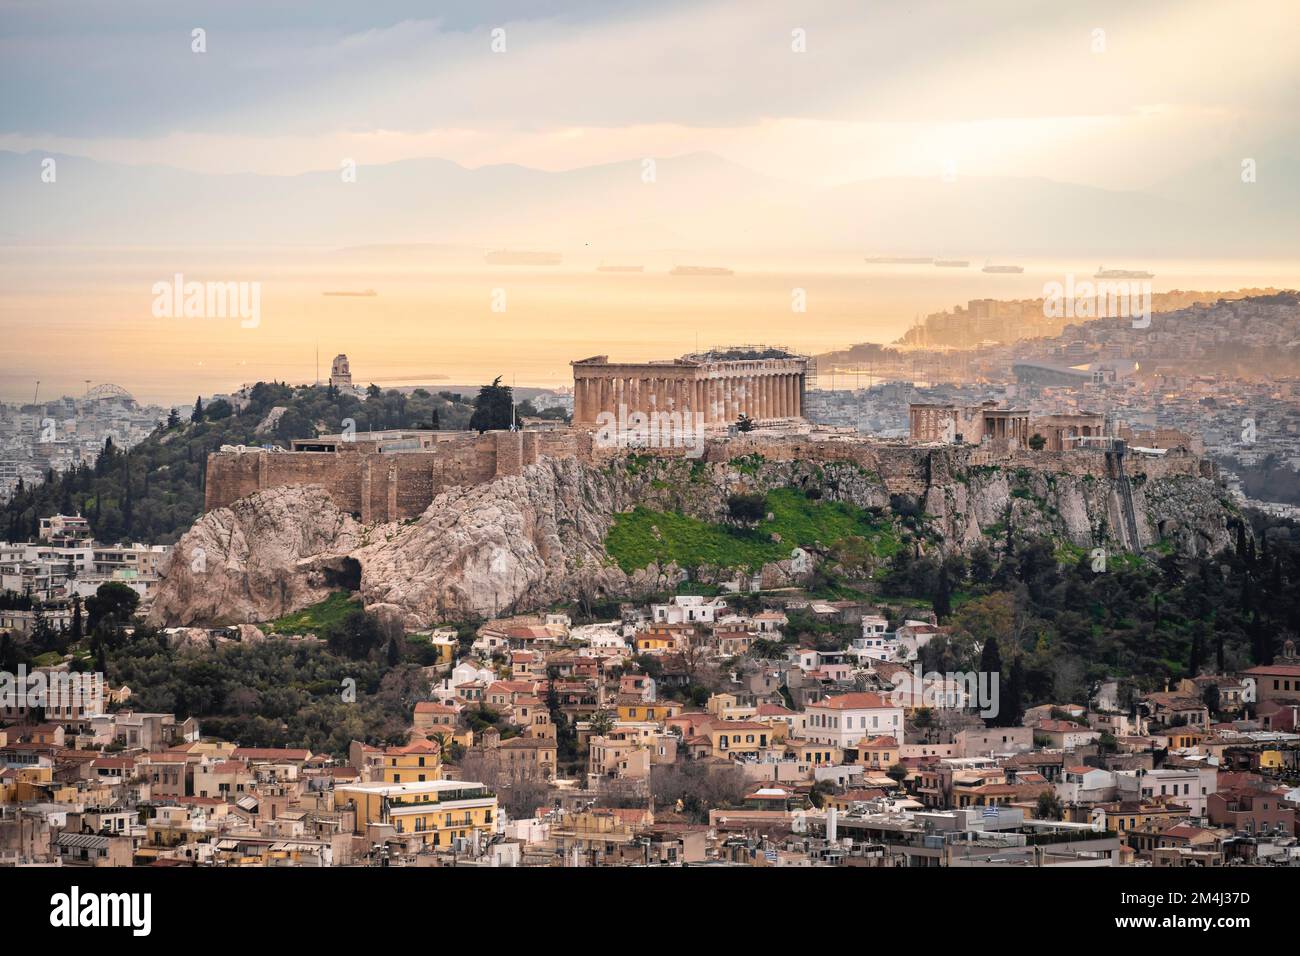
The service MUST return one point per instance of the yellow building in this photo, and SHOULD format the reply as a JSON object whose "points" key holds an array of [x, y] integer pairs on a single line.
{"points": [[652, 643], [24, 784], [809, 753], [877, 753], [1271, 760], [739, 736], [1183, 738], [436, 811], [417, 762], [1121, 817], [592, 837], [651, 710], [724, 707]]}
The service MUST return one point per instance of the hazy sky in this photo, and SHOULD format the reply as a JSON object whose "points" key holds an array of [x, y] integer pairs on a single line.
{"points": [[1110, 93], [998, 87]]}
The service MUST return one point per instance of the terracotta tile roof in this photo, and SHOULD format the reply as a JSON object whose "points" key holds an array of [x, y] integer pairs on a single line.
{"points": [[856, 701], [433, 707]]}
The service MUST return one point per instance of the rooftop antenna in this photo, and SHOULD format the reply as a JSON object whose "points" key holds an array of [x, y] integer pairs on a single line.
{"points": [[37, 392]]}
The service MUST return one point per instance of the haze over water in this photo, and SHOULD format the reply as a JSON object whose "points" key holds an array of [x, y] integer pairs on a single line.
{"points": [[431, 321]]}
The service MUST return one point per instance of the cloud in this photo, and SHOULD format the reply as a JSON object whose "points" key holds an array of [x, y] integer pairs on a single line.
{"points": [[998, 84]]}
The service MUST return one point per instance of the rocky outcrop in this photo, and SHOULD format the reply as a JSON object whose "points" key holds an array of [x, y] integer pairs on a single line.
{"points": [[1188, 514], [266, 555], [535, 539]]}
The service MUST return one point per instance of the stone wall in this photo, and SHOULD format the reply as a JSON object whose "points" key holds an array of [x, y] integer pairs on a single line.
{"points": [[400, 486], [384, 487]]}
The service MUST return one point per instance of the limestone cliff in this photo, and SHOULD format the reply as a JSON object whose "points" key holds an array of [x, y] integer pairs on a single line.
{"points": [[535, 539], [264, 556]]}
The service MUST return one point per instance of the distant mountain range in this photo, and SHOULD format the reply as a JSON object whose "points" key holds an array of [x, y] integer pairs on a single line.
{"points": [[697, 202]]}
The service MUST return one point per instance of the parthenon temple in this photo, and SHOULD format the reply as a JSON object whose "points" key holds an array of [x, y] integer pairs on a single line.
{"points": [[763, 384]]}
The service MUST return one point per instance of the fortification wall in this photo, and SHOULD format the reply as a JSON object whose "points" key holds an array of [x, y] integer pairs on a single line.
{"points": [[375, 486], [400, 486]]}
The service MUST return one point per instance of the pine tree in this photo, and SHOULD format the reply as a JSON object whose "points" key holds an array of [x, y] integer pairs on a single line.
{"points": [[126, 496], [494, 407], [197, 415], [1258, 646], [943, 597], [991, 657], [1011, 701]]}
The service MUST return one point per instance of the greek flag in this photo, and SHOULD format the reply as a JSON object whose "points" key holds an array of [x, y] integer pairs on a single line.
{"points": [[771, 855], [991, 813]]}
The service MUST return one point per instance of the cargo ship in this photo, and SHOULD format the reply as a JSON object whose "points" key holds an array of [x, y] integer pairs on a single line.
{"points": [[604, 268], [1002, 270], [700, 271], [899, 260], [952, 263], [1122, 274]]}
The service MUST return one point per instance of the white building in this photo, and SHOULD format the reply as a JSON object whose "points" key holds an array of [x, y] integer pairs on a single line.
{"points": [[1190, 786], [914, 635], [843, 721], [688, 609]]}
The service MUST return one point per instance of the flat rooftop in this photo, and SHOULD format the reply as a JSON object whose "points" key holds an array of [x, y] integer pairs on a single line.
{"points": [[415, 787]]}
